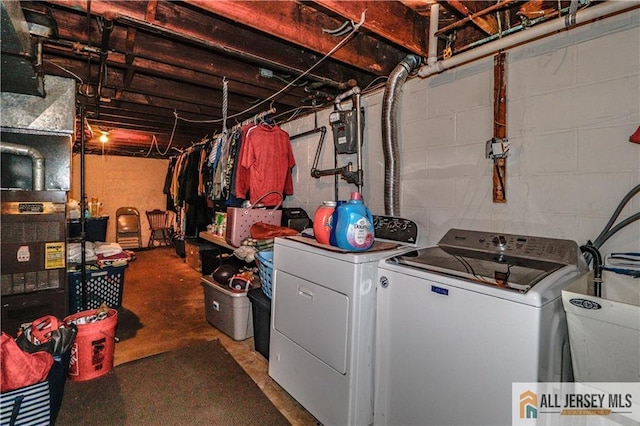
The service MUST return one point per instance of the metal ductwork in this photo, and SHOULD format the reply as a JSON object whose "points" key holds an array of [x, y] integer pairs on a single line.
{"points": [[21, 64], [37, 159], [390, 132]]}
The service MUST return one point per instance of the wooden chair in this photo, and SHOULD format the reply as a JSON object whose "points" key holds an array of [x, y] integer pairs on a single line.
{"points": [[160, 229], [128, 232]]}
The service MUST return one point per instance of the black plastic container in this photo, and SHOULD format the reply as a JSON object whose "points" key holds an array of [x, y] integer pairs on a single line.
{"points": [[261, 311], [179, 245], [95, 228], [295, 218], [210, 260]]}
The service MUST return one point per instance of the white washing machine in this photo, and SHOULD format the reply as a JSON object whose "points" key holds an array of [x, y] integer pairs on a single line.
{"points": [[323, 321], [458, 323]]}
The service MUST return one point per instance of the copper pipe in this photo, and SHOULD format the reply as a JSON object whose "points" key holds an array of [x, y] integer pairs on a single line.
{"points": [[598, 11]]}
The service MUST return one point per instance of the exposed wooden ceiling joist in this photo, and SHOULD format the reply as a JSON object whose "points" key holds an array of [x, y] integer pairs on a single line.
{"points": [[390, 20], [484, 23], [305, 28], [166, 62]]}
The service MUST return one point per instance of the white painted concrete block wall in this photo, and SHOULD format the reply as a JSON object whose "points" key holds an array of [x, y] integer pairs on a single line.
{"points": [[573, 100]]}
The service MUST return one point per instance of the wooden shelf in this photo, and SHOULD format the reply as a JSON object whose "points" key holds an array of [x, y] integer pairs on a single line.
{"points": [[215, 239]]}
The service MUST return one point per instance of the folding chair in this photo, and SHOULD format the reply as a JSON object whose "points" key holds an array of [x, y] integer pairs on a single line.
{"points": [[128, 232]]}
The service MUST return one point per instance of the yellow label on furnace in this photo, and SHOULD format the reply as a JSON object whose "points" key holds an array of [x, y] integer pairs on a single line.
{"points": [[54, 255]]}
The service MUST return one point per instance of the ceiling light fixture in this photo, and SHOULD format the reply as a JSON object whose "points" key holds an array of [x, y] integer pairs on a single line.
{"points": [[104, 136]]}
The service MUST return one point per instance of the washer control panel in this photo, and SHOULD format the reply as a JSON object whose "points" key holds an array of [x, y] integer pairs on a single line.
{"points": [[539, 248]]}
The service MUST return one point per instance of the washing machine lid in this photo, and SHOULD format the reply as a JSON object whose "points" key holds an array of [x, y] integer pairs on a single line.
{"points": [[511, 262]]}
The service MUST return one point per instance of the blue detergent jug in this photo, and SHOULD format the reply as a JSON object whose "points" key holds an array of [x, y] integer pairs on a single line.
{"points": [[354, 228], [334, 222]]}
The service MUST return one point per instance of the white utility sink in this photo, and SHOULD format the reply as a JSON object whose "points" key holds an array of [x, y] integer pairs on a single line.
{"points": [[604, 332]]}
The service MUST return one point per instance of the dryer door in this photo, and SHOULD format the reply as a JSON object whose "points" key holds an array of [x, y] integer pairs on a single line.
{"points": [[314, 317]]}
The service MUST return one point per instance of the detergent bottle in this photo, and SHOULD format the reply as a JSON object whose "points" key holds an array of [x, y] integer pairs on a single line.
{"points": [[354, 228], [334, 222], [322, 221]]}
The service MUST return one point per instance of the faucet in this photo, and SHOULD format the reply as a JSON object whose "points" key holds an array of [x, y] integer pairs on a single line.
{"points": [[597, 266]]}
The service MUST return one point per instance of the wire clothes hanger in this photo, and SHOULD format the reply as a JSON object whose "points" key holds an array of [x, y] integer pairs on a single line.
{"points": [[255, 119]]}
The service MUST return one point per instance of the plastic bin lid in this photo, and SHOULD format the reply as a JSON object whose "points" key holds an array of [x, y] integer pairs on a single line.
{"points": [[211, 283]]}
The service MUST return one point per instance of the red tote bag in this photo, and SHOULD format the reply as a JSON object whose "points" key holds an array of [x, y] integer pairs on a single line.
{"points": [[20, 368]]}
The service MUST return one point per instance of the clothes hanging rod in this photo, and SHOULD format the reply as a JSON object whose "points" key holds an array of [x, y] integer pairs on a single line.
{"points": [[254, 119], [193, 146]]}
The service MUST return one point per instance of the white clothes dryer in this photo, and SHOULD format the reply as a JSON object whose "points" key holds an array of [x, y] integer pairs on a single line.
{"points": [[323, 321]]}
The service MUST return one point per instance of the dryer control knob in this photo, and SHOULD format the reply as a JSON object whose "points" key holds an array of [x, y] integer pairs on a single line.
{"points": [[384, 281], [499, 241]]}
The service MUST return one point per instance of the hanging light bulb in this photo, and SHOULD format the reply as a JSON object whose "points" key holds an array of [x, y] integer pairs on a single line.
{"points": [[104, 136]]}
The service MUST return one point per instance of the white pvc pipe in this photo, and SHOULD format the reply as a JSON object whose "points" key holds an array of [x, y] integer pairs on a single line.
{"points": [[540, 30], [434, 20]]}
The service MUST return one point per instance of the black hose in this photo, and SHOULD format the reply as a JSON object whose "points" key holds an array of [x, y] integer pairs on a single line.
{"points": [[597, 267]]}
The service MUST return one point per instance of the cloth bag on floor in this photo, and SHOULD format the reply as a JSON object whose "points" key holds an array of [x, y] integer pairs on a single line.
{"points": [[19, 368]]}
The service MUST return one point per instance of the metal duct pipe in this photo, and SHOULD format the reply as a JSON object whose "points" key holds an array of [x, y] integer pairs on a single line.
{"points": [[531, 33], [37, 160], [390, 132]]}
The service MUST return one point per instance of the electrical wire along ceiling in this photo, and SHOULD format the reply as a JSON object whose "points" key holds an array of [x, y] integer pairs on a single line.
{"points": [[156, 75]]}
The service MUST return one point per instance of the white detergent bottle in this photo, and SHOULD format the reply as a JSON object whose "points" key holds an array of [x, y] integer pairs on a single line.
{"points": [[354, 227]]}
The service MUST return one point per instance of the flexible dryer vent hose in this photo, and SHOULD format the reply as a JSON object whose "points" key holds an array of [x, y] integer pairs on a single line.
{"points": [[390, 132]]}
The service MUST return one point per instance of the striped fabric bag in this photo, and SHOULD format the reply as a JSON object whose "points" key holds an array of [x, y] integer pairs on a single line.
{"points": [[30, 405]]}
